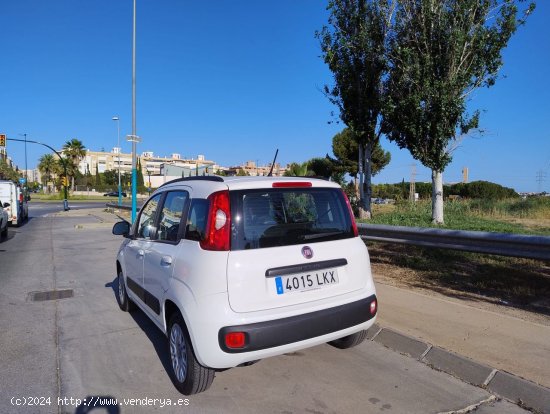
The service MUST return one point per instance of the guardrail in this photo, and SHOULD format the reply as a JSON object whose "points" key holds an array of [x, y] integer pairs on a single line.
{"points": [[503, 244]]}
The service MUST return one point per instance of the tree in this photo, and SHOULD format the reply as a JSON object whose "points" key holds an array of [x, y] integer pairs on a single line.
{"points": [[47, 167], [346, 151], [298, 170], [354, 48], [7, 172], [442, 51], [97, 180], [74, 150], [139, 178]]}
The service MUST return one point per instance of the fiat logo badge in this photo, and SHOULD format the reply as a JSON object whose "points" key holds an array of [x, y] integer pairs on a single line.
{"points": [[307, 252]]}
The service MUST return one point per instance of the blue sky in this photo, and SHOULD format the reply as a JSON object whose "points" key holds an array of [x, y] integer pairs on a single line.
{"points": [[234, 80]]}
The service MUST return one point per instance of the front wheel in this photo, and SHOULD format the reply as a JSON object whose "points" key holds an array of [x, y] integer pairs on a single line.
{"points": [[124, 302], [188, 375], [349, 341]]}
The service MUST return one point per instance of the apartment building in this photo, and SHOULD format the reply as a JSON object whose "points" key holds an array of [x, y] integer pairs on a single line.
{"points": [[151, 164]]}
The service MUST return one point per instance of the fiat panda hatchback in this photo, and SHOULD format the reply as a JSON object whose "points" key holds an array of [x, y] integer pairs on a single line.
{"points": [[238, 269]]}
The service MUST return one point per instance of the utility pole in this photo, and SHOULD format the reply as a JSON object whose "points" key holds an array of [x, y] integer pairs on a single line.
{"points": [[412, 185], [541, 178]]}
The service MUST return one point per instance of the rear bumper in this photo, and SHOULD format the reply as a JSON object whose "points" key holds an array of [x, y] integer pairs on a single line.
{"points": [[274, 333]]}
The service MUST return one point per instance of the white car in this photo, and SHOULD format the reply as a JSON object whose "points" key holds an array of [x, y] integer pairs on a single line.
{"points": [[237, 269]]}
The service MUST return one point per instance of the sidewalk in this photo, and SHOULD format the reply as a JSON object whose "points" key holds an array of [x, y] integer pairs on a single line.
{"points": [[498, 340]]}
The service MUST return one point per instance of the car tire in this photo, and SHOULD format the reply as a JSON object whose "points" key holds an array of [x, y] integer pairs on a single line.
{"points": [[124, 302], [4, 232], [349, 341], [188, 375]]}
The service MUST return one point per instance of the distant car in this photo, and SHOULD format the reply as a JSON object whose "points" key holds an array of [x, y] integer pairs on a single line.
{"points": [[114, 194]]}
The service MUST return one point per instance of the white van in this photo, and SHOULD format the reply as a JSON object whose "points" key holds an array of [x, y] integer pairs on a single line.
{"points": [[18, 209]]}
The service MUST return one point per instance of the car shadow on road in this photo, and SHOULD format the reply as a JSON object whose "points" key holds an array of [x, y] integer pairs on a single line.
{"points": [[157, 338]]}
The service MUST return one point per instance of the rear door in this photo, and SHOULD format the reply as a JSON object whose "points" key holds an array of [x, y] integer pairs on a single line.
{"points": [[291, 246]]}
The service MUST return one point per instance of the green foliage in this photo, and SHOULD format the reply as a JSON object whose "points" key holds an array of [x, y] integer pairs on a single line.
{"points": [[476, 215], [346, 151], [242, 173], [298, 170], [441, 52], [475, 190], [7, 172], [74, 151], [481, 190], [97, 180], [354, 48]]}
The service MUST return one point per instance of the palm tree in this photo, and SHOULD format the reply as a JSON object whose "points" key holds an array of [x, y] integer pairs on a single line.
{"points": [[74, 150], [46, 166]]}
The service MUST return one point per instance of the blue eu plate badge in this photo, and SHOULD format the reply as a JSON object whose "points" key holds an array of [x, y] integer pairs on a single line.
{"points": [[279, 285]]}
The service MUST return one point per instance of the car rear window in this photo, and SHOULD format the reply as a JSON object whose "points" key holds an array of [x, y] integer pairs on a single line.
{"points": [[281, 217]]}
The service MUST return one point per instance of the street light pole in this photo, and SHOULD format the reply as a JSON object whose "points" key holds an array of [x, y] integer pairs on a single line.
{"points": [[26, 177], [115, 118], [134, 132]]}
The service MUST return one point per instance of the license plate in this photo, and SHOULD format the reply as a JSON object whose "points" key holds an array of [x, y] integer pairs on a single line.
{"points": [[305, 281]]}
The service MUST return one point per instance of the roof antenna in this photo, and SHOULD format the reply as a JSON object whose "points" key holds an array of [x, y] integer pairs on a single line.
{"points": [[273, 164]]}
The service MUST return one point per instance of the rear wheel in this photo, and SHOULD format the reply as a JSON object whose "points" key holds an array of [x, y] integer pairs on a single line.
{"points": [[349, 341], [124, 302], [188, 375], [4, 232]]}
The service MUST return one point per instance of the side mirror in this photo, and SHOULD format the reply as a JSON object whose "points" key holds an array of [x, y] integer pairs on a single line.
{"points": [[122, 228], [6, 205]]}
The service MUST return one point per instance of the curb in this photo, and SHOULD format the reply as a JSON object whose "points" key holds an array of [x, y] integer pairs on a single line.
{"points": [[525, 393]]}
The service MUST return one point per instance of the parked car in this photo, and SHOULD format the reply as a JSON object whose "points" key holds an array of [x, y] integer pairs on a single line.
{"points": [[114, 194], [238, 269], [18, 209], [4, 220]]}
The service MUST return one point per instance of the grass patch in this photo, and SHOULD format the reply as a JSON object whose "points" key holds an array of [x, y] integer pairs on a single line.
{"points": [[522, 283], [504, 216]]}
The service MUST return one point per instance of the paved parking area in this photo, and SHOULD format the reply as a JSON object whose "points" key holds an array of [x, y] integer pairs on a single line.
{"points": [[85, 349]]}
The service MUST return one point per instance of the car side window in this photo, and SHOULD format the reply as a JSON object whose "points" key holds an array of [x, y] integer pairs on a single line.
{"points": [[146, 226], [196, 220], [171, 214]]}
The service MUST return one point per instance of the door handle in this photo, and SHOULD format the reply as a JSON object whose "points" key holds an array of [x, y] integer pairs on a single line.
{"points": [[166, 261]]}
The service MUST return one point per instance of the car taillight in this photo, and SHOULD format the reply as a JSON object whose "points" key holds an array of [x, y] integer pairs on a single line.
{"points": [[218, 227], [351, 216], [235, 340], [373, 307], [291, 184]]}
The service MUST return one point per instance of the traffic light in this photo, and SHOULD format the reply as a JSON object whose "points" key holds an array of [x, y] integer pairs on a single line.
{"points": [[2, 140], [65, 181]]}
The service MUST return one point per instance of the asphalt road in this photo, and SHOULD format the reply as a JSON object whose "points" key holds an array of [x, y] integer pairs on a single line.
{"points": [[71, 353]]}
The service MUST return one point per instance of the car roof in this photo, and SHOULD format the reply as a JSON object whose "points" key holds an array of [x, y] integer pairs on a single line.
{"points": [[205, 185]]}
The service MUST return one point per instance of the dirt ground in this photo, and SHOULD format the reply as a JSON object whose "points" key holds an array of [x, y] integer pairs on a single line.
{"points": [[517, 287]]}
